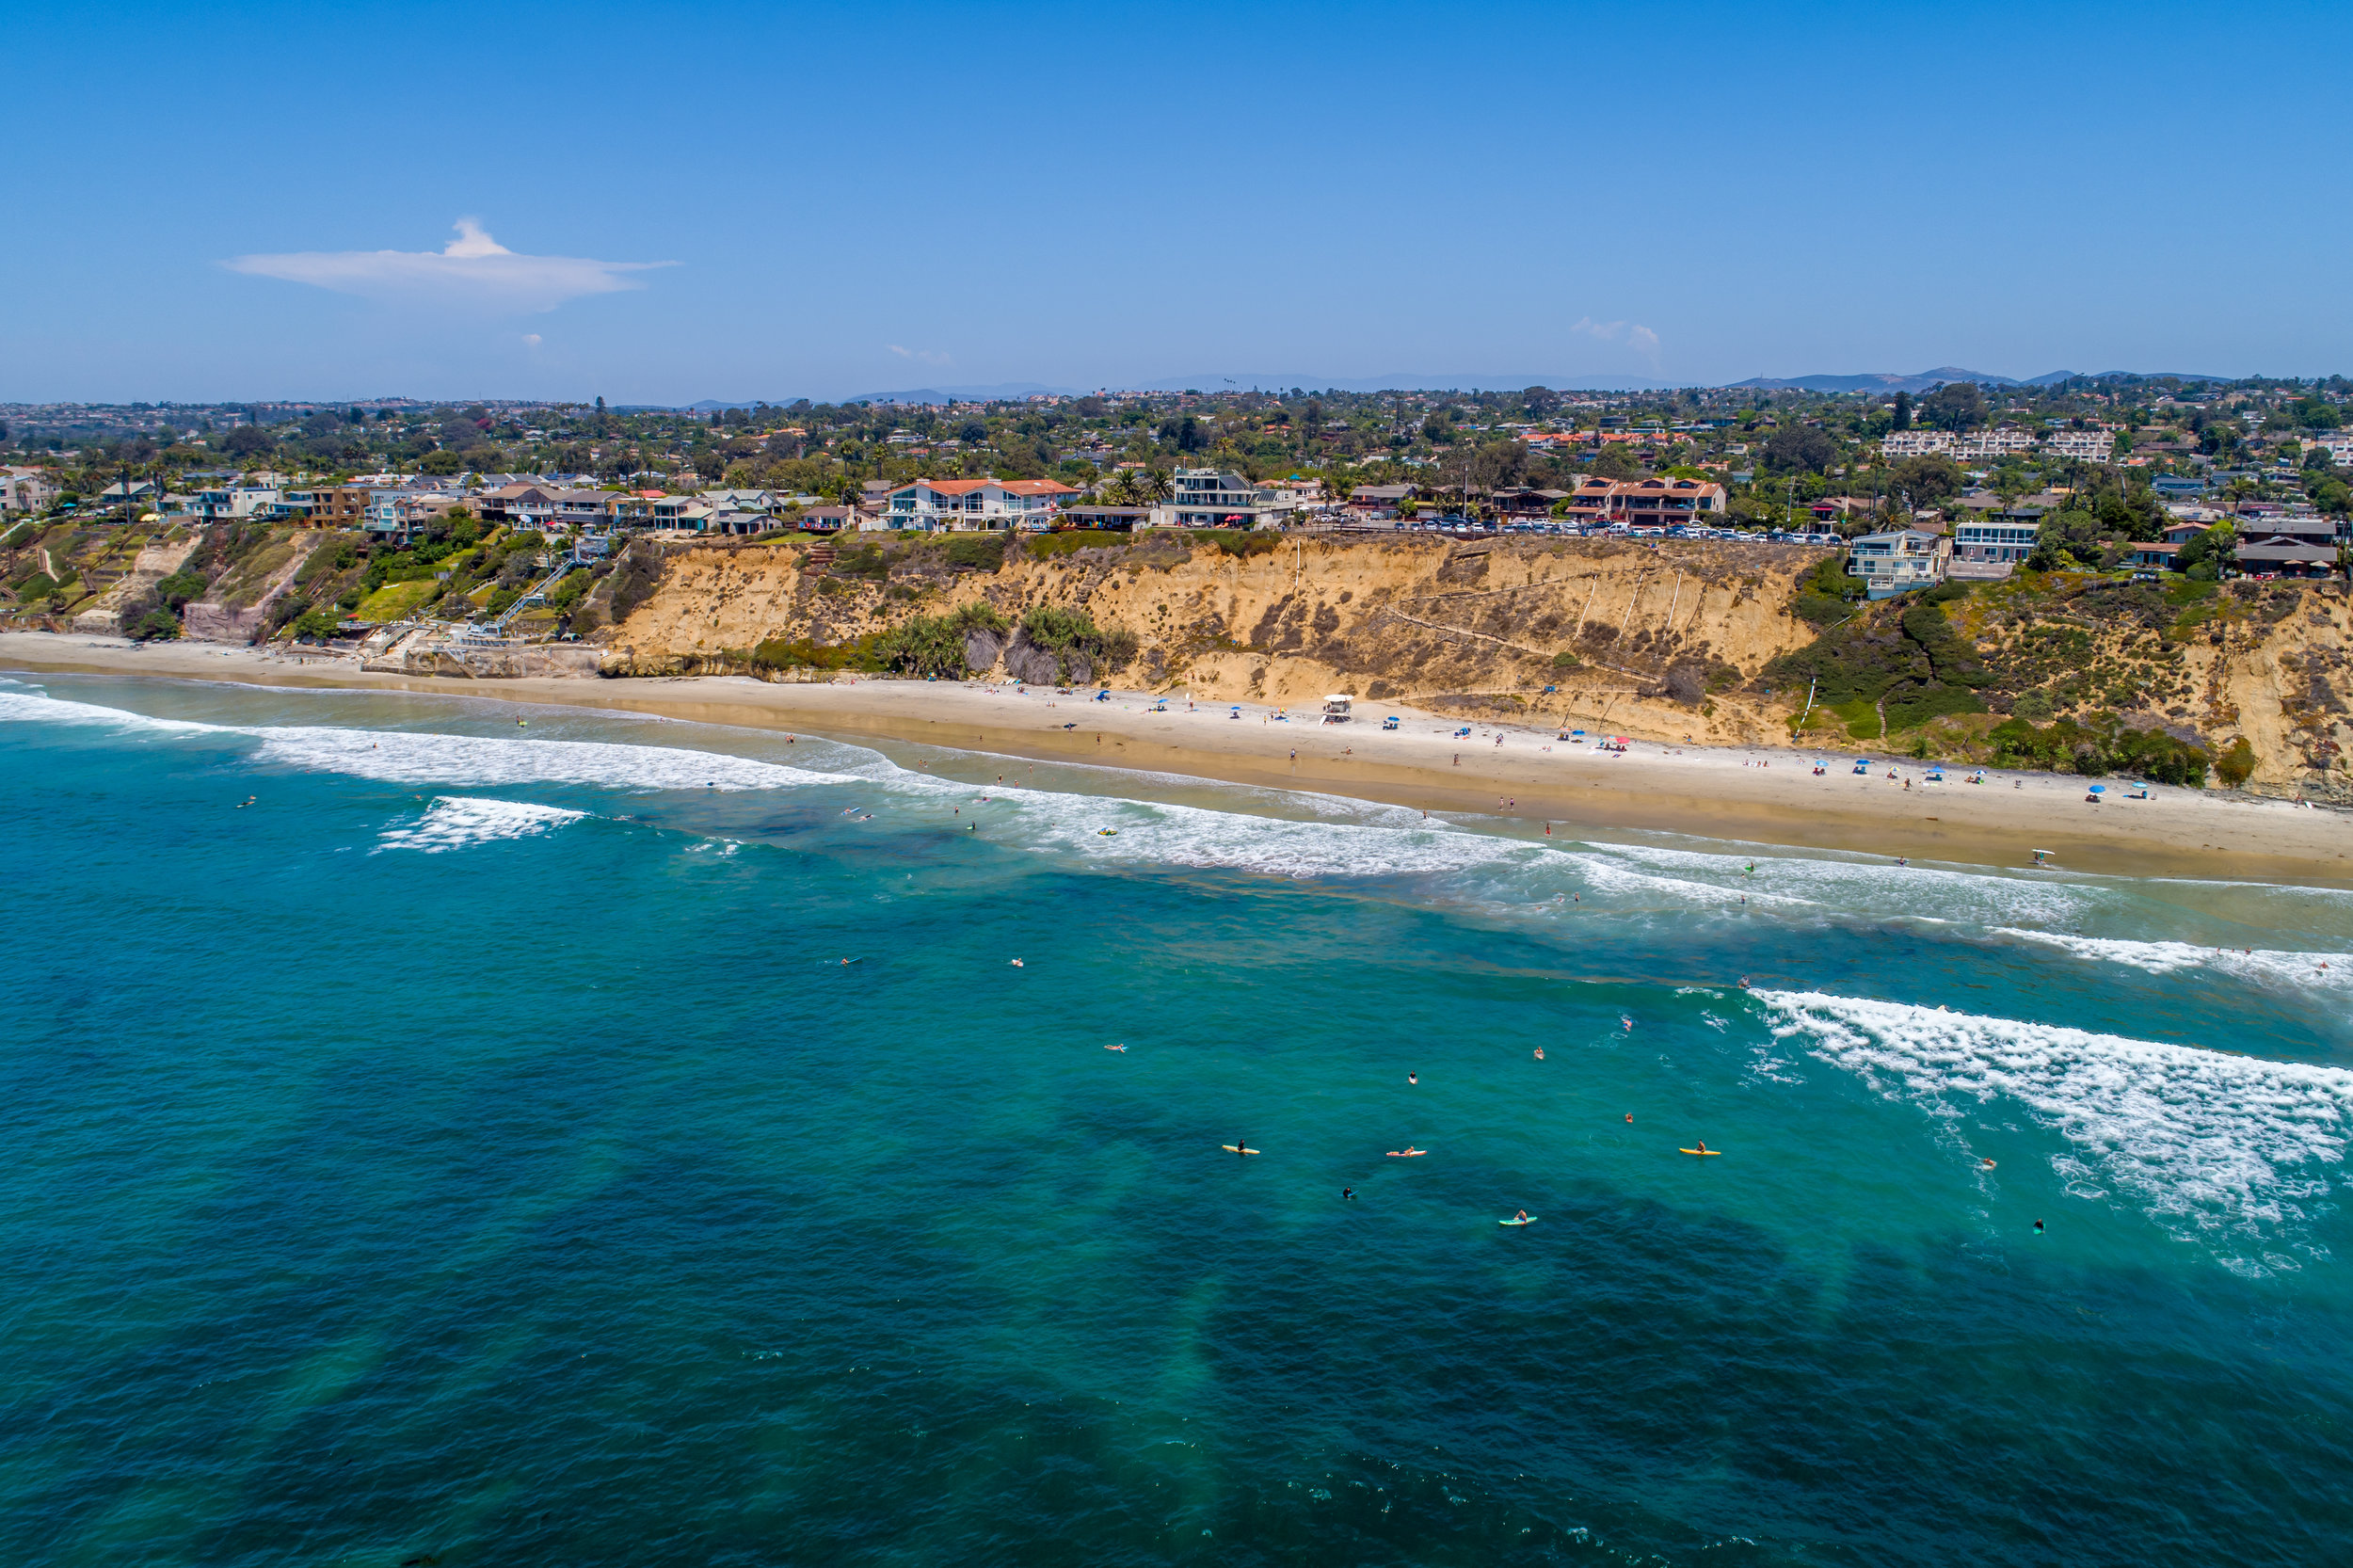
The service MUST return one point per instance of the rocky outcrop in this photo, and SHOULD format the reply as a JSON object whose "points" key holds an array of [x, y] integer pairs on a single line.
{"points": [[152, 564]]}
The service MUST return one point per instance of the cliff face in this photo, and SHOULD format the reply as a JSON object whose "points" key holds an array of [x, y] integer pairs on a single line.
{"points": [[1658, 642]]}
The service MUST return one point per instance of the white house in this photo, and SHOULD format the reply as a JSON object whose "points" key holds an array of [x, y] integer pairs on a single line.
{"points": [[971, 504], [1218, 498], [27, 489], [237, 501], [1899, 559]]}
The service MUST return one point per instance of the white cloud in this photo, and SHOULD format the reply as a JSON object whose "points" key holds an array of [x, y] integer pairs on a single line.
{"points": [[473, 269], [1634, 335], [926, 356]]}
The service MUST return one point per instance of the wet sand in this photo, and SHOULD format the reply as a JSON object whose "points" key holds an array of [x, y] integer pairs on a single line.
{"points": [[1764, 794]]}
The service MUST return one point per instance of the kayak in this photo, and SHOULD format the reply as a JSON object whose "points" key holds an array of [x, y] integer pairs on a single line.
{"points": [[1708, 1153]]}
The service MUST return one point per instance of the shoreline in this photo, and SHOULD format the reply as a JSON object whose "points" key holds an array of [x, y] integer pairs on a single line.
{"points": [[1764, 794]]}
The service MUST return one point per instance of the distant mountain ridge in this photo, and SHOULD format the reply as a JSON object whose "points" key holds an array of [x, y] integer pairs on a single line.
{"points": [[1886, 382]]}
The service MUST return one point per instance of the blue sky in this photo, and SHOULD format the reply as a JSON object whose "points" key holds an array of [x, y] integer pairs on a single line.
{"points": [[854, 198]]}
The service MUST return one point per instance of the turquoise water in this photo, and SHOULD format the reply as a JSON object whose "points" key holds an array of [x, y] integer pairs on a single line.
{"points": [[475, 1149]]}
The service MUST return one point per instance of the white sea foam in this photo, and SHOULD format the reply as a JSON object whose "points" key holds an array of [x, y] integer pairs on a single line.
{"points": [[2262, 966], [411, 757], [1876, 885], [455, 821], [2201, 1140], [29, 707], [416, 757]]}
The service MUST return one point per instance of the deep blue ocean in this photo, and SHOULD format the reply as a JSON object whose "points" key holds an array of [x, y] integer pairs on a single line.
{"points": [[433, 1138]]}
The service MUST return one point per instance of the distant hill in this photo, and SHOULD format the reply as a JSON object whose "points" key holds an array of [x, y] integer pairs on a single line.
{"points": [[1889, 381], [1407, 381]]}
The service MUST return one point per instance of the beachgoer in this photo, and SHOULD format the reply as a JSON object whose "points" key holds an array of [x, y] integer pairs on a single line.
{"points": [[1412, 1078], [1629, 1118], [1347, 1191], [1987, 1164], [1703, 1145], [1521, 1216], [2038, 1228]]}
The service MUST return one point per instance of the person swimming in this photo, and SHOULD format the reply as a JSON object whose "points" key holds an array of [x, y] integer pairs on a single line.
{"points": [[1122, 1049], [1629, 1118], [1016, 963], [1985, 1164]]}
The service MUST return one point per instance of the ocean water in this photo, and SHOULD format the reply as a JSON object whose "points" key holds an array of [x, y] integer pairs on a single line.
{"points": [[440, 1139]]}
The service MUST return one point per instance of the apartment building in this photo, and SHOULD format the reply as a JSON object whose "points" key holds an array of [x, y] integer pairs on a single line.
{"points": [[1971, 446], [2089, 446]]}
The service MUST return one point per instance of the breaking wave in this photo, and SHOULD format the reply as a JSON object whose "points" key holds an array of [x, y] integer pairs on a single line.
{"points": [[2202, 1141], [455, 821], [2259, 965]]}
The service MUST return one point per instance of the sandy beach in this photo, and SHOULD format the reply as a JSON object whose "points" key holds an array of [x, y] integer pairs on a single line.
{"points": [[1764, 794]]}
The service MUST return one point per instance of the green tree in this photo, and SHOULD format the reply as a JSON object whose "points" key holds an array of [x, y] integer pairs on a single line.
{"points": [[1800, 449], [1903, 411], [1957, 405]]}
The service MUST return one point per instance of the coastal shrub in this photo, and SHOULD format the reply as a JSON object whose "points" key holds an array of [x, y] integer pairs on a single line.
{"points": [[1063, 632], [155, 624], [2236, 764], [779, 653], [566, 596], [1910, 710], [178, 588], [634, 581], [1239, 541], [1564, 661], [1861, 718], [37, 586], [1047, 546], [316, 623], [980, 551], [2101, 746], [862, 561], [1826, 594], [19, 536]]}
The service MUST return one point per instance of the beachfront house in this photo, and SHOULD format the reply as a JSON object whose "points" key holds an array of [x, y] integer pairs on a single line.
{"points": [[1659, 501], [1220, 498], [967, 505], [1898, 560], [2289, 544]]}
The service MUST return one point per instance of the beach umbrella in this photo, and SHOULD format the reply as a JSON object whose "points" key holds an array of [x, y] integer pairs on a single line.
{"points": [[2099, 789]]}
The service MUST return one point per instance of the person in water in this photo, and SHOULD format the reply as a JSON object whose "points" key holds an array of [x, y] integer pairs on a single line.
{"points": [[2038, 1228], [1347, 1191]]}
